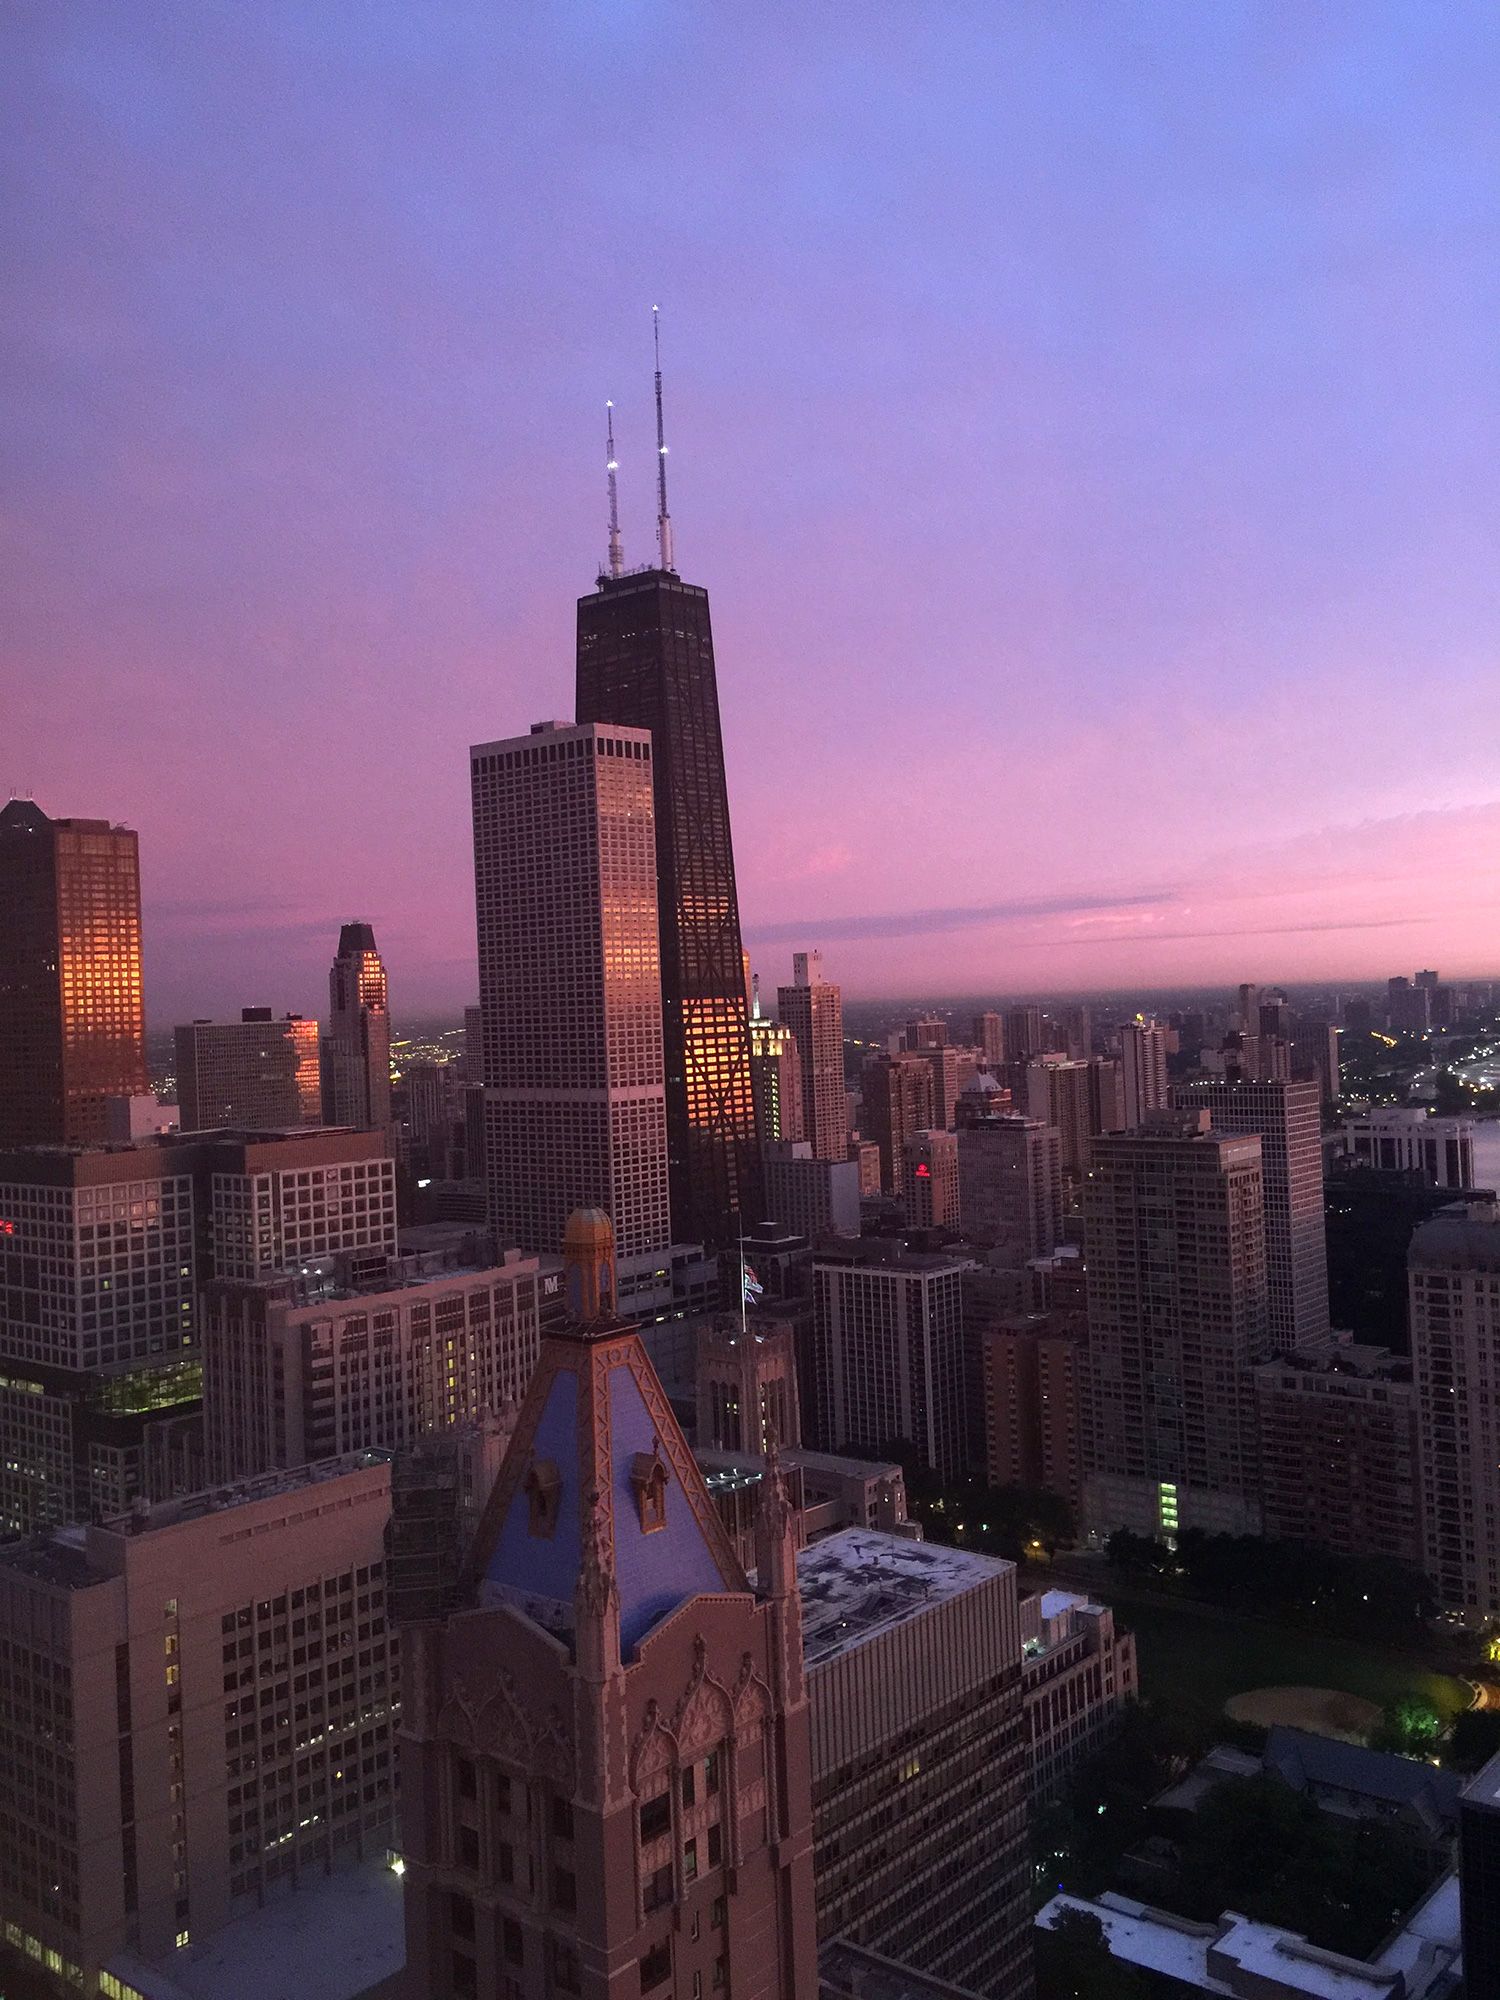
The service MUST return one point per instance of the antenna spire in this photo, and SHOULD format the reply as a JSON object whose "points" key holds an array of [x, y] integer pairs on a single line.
{"points": [[616, 546], [663, 518]]}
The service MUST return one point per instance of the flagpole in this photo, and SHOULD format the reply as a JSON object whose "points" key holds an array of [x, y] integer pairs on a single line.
{"points": [[744, 1323]]}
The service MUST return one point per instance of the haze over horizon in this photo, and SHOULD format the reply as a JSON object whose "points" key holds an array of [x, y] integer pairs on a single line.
{"points": [[1087, 429]]}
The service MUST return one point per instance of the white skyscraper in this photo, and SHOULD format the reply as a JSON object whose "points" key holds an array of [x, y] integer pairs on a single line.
{"points": [[570, 983]]}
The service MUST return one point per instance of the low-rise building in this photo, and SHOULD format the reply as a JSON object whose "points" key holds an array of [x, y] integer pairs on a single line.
{"points": [[1077, 1673]]}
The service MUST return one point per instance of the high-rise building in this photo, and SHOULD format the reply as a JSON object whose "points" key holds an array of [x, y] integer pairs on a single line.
{"points": [[813, 1196], [102, 1254], [1454, 1268], [646, 661], [914, 1677], [1408, 1007], [1010, 1187], [606, 1780], [926, 1031], [1077, 1674], [1338, 1453], [1033, 1367], [1315, 1052], [256, 1074], [1143, 1065], [1412, 1141], [357, 1047], [1175, 1241], [943, 1062], [989, 1038], [1081, 1099], [1286, 1117], [1248, 1012], [888, 1352], [1479, 1882], [896, 1101], [775, 1077], [813, 1009], [932, 1200], [565, 870], [72, 1023], [198, 1709], [297, 1369], [1025, 1034]]}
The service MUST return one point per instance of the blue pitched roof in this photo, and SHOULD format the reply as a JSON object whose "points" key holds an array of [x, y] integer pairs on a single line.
{"points": [[593, 1410]]}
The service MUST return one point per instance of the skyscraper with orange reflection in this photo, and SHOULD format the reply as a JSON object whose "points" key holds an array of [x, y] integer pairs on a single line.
{"points": [[357, 1047], [72, 1022]]}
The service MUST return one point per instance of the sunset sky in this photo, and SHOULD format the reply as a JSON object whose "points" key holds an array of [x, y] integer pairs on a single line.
{"points": [[1085, 417]]}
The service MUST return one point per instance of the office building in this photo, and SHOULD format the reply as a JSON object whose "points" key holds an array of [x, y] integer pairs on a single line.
{"points": [[605, 1760], [72, 1023], [887, 1353], [919, 1755], [1408, 1007], [1315, 1052], [1143, 1067], [775, 1077], [357, 1048], [565, 870], [932, 1200], [297, 1369], [198, 1705], [812, 1197], [944, 1064], [1010, 1187], [1412, 1141], [1033, 1367], [1174, 1334], [256, 1074], [988, 1031], [1338, 1452], [1025, 1034], [813, 1009], [1454, 1267], [102, 1253], [1077, 1674], [646, 662], [896, 1099], [1286, 1118]]}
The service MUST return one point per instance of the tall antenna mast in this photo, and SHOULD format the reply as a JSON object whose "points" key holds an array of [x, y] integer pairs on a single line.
{"points": [[663, 518], [616, 546]]}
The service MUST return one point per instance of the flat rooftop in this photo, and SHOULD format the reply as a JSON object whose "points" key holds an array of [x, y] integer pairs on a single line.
{"points": [[853, 1972], [859, 1583], [334, 1940]]}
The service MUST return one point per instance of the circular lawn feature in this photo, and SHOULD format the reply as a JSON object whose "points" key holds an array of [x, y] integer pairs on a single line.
{"points": [[1324, 1711]]}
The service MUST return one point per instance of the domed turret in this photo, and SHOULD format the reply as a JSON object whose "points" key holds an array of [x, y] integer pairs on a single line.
{"points": [[589, 1262]]}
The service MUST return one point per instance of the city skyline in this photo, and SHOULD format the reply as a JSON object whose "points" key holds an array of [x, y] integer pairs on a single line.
{"points": [[1148, 505]]}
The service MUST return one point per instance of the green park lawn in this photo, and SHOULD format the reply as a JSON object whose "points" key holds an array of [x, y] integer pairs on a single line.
{"points": [[1193, 1661]]}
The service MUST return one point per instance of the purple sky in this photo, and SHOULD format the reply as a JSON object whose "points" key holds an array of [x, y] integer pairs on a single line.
{"points": [[1085, 416]]}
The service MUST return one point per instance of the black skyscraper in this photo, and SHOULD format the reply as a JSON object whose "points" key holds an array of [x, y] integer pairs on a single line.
{"points": [[646, 659]]}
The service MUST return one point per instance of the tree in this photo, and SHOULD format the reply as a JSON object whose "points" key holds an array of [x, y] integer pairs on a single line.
{"points": [[1475, 1739], [1409, 1725], [1073, 1962]]}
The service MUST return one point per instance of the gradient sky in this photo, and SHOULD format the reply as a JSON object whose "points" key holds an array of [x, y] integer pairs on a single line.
{"points": [[1086, 418]]}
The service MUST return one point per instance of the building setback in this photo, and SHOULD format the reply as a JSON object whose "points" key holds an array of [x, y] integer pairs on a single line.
{"points": [[565, 873], [72, 1021], [197, 1710], [646, 661]]}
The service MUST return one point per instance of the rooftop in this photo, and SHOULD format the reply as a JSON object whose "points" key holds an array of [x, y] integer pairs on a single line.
{"points": [[859, 1583], [332, 1940], [1456, 1242], [853, 1972]]}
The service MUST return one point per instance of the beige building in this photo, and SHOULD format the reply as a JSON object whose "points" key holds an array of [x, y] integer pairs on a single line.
{"points": [[297, 1369], [919, 1756], [197, 1712], [775, 1077], [1175, 1242], [1034, 1367], [1143, 1070], [570, 983], [813, 1009], [897, 1100], [932, 1192], [1077, 1673]]}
